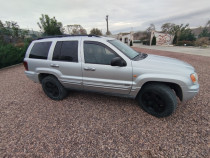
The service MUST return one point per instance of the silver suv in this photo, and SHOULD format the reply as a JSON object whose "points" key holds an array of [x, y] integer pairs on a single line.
{"points": [[102, 64]]}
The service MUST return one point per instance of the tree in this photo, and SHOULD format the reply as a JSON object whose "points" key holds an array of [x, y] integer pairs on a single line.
{"points": [[49, 26], [172, 28], [186, 35], [3, 30], [10, 28], [76, 29], [151, 28], [181, 32], [168, 28], [83, 31], [96, 31], [205, 31]]}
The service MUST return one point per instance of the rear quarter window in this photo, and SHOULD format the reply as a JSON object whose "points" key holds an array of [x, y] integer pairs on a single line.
{"points": [[40, 50]]}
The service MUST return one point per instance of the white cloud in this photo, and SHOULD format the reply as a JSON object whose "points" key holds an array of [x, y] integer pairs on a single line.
{"points": [[123, 14]]}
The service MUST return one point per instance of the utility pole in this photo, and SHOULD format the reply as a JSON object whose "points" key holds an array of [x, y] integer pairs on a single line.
{"points": [[107, 26]]}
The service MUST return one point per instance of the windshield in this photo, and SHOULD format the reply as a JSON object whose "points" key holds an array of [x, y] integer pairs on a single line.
{"points": [[128, 51]]}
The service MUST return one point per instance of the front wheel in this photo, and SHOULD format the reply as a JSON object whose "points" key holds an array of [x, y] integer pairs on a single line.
{"points": [[53, 88], [157, 99]]}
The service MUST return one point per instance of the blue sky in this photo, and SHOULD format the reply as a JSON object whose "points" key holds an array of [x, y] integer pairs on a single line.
{"points": [[124, 15]]}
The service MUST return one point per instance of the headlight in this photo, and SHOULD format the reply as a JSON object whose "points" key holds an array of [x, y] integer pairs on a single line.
{"points": [[194, 77]]}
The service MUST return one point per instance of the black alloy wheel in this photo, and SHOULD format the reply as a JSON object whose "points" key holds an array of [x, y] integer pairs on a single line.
{"points": [[154, 102], [157, 99], [53, 88]]}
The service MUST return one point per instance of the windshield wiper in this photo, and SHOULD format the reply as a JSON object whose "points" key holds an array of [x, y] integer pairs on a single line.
{"points": [[140, 56], [136, 56]]}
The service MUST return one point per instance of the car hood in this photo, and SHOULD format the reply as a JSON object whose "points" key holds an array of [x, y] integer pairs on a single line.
{"points": [[162, 63]]}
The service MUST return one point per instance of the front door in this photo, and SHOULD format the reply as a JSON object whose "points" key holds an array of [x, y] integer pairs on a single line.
{"points": [[99, 75]]}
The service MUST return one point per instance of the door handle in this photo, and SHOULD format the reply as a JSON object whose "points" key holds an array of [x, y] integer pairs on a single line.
{"points": [[54, 65], [89, 69]]}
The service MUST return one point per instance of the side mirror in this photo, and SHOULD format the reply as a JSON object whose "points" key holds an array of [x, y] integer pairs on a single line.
{"points": [[117, 61]]}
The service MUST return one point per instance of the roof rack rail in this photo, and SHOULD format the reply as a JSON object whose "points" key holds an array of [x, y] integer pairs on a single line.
{"points": [[59, 36]]}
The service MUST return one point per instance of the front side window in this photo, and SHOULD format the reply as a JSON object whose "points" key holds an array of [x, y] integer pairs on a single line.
{"points": [[66, 51], [40, 50], [97, 53]]}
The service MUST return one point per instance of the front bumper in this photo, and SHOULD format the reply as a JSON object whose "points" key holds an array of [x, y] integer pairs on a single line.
{"points": [[190, 92]]}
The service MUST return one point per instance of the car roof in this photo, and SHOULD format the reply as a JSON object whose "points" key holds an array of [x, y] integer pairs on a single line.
{"points": [[66, 37]]}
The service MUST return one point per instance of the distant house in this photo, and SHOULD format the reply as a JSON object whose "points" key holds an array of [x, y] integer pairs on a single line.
{"points": [[126, 38], [162, 38]]}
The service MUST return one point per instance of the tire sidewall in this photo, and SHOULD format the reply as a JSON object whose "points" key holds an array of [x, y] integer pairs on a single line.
{"points": [[54, 81], [167, 96]]}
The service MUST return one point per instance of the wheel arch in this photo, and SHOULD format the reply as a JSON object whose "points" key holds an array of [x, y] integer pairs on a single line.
{"points": [[174, 86], [41, 76]]}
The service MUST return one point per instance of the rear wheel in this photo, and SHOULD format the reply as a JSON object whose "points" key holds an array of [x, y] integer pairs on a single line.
{"points": [[53, 88], [157, 99]]}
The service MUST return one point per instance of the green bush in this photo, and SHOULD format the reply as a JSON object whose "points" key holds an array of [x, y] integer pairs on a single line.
{"points": [[10, 54]]}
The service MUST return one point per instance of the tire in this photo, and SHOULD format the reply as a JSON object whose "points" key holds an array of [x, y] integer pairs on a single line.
{"points": [[157, 99], [53, 88]]}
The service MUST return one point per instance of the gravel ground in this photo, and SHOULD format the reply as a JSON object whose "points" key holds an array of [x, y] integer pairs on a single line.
{"points": [[95, 125]]}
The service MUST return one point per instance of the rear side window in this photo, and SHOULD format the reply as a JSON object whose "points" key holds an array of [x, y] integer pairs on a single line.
{"points": [[66, 51], [40, 50]]}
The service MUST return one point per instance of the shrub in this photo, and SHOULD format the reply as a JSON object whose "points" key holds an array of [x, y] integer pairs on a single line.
{"points": [[188, 43], [203, 41], [10, 54]]}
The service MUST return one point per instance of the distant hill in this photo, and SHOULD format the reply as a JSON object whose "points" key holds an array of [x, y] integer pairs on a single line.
{"points": [[197, 31]]}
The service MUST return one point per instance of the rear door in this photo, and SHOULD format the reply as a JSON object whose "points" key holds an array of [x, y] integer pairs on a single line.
{"points": [[66, 62], [99, 75]]}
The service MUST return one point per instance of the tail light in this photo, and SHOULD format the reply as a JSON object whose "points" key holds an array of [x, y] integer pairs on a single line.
{"points": [[25, 65]]}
